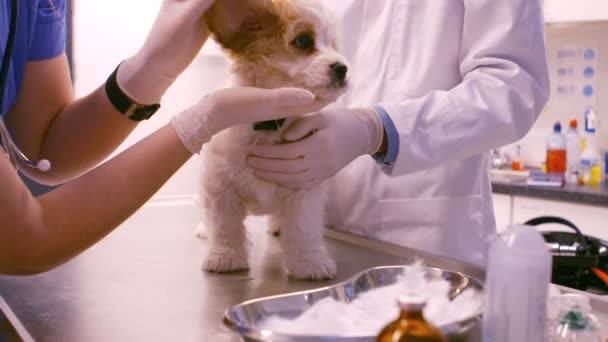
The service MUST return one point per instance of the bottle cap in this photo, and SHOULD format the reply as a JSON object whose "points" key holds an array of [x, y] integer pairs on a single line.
{"points": [[411, 302], [557, 128], [573, 123]]}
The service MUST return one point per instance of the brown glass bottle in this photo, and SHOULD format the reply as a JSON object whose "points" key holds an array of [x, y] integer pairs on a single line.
{"points": [[411, 325]]}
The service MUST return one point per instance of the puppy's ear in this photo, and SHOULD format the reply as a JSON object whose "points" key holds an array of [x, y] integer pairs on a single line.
{"points": [[235, 24]]}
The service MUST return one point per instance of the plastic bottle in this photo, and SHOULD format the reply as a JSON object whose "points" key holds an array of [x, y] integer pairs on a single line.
{"points": [[517, 284], [573, 152], [411, 325], [556, 150], [576, 323], [516, 163], [590, 168]]}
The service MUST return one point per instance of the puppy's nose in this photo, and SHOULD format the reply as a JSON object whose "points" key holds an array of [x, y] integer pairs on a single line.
{"points": [[339, 71]]}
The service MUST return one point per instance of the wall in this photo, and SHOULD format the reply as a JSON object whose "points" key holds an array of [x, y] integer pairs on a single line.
{"points": [[578, 24], [581, 10], [567, 83], [103, 37]]}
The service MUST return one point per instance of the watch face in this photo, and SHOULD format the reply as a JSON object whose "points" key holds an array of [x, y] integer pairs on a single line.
{"points": [[144, 113]]}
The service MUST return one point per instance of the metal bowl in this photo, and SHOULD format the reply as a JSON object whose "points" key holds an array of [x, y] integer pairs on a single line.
{"points": [[244, 318]]}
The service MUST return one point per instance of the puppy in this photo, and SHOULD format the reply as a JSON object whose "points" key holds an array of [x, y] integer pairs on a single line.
{"points": [[281, 43]]}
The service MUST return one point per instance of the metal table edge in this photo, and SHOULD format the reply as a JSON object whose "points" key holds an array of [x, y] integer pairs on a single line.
{"points": [[430, 259], [599, 303], [15, 322]]}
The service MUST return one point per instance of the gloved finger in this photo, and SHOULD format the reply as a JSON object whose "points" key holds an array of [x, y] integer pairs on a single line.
{"points": [[267, 98], [289, 166], [303, 127], [288, 180], [293, 150], [274, 98], [314, 107], [264, 104], [287, 97]]}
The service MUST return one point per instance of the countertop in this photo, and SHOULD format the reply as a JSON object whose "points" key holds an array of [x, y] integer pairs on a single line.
{"points": [[585, 194], [144, 282]]}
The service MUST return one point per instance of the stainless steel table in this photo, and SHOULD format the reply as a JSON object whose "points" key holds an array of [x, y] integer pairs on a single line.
{"points": [[144, 282]]}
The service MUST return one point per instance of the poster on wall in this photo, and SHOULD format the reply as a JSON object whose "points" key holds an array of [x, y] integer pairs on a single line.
{"points": [[573, 75]]}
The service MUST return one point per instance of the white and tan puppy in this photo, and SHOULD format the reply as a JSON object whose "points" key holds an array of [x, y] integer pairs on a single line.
{"points": [[282, 43]]}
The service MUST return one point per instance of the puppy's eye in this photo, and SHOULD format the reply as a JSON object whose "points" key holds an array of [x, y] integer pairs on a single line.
{"points": [[304, 42]]}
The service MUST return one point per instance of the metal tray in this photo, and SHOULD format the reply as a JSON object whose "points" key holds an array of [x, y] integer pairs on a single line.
{"points": [[244, 318]]}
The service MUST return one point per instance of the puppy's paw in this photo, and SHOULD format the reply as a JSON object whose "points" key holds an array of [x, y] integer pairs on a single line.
{"points": [[318, 267], [201, 231], [226, 259]]}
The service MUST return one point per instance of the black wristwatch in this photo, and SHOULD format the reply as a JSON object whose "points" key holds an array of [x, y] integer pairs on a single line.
{"points": [[124, 104]]}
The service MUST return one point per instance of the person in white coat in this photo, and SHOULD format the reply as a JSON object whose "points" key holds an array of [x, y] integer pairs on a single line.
{"points": [[446, 80]]}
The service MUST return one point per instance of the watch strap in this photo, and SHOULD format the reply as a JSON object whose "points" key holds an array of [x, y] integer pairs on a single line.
{"points": [[125, 105]]}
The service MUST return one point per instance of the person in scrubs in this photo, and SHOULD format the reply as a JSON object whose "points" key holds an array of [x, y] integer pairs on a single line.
{"points": [[447, 81], [45, 121]]}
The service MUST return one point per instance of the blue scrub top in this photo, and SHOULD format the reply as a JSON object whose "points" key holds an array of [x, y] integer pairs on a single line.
{"points": [[40, 35]]}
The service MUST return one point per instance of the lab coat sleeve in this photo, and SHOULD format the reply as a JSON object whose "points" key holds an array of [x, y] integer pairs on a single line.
{"points": [[388, 158], [504, 87]]}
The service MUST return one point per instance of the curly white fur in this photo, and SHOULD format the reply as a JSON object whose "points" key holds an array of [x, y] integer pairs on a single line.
{"points": [[229, 190]]}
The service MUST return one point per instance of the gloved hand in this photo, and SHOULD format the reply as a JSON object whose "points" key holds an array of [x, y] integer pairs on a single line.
{"points": [[228, 107], [319, 145], [176, 37]]}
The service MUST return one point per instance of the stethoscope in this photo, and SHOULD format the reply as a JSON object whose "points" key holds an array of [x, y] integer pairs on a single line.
{"points": [[15, 155]]}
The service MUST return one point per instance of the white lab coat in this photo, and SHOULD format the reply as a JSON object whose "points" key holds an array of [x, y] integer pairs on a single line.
{"points": [[458, 78]]}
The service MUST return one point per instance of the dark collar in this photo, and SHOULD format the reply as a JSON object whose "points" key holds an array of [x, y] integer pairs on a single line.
{"points": [[271, 125]]}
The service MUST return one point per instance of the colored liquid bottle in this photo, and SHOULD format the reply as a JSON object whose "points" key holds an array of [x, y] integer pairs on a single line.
{"points": [[556, 150], [411, 325], [516, 163]]}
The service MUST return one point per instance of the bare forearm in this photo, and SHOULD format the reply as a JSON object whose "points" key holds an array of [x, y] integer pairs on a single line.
{"points": [[46, 122], [82, 136], [81, 212]]}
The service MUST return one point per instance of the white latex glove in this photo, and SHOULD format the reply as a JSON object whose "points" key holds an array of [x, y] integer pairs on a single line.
{"points": [[196, 125], [318, 146], [176, 37]]}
